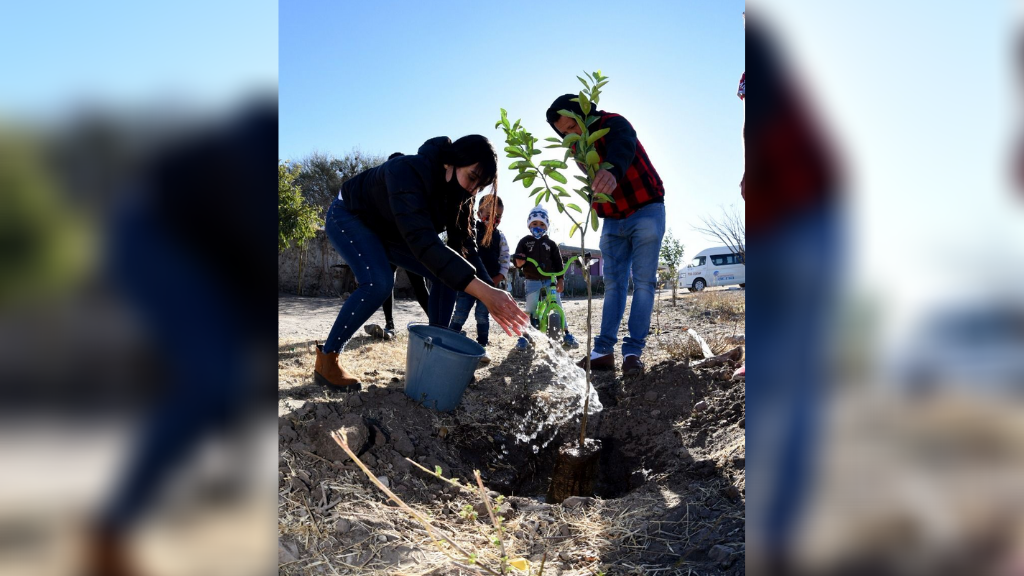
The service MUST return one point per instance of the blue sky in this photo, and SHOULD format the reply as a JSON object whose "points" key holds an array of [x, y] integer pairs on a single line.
{"points": [[119, 55], [385, 76]]}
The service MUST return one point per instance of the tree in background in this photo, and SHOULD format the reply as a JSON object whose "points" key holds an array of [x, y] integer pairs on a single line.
{"points": [[297, 219], [322, 175], [730, 229], [671, 255]]}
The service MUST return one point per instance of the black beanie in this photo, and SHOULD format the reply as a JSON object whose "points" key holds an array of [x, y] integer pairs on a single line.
{"points": [[563, 103]]}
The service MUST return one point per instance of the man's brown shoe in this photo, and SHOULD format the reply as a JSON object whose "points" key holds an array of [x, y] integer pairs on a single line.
{"points": [[327, 371], [632, 366], [606, 362]]}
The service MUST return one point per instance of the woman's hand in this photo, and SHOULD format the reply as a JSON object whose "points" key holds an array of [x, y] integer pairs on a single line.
{"points": [[500, 304]]}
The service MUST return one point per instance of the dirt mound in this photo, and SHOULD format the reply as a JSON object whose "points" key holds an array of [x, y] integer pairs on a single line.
{"points": [[668, 496]]}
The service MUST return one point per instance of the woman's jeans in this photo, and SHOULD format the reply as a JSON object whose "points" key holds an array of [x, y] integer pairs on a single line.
{"points": [[370, 258], [631, 243]]}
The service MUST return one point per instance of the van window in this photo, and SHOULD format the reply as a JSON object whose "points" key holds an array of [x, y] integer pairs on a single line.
{"points": [[698, 261], [726, 259]]}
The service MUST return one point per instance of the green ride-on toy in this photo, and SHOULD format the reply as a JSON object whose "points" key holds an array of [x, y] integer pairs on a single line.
{"points": [[549, 313]]}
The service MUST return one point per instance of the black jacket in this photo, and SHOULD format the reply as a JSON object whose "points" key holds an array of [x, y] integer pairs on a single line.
{"points": [[544, 250], [407, 199]]}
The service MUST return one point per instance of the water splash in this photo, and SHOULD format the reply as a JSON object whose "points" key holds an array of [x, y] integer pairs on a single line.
{"points": [[557, 401]]}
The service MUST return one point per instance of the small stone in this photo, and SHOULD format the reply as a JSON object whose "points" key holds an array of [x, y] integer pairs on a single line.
{"points": [[404, 446], [354, 401], [382, 538], [369, 459], [287, 433], [655, 413], [732, 492], [287, 553], [577, 501], [651, 396], [739, 461], [700, 406], [323, 411], [564, 556], [306, 408], [384, 480], [719, 553], [742, 423], [342, 526]]}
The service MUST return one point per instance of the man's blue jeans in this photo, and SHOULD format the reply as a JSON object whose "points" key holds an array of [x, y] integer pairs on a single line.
{"points": [[633, 242], [463, 303], [369, 256]]}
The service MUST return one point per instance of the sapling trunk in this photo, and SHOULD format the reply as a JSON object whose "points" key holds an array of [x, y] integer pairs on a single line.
{"points": [[581, 147]]}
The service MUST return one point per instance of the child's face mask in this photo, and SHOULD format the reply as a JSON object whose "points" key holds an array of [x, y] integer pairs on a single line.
{"points": [[537, 231]]}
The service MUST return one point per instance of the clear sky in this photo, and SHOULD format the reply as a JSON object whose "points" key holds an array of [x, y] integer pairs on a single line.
{"points": [[118, 55], [385, 76]]}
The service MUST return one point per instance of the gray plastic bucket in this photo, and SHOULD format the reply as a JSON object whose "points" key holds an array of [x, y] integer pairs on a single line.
{"points": [[439, 364]]}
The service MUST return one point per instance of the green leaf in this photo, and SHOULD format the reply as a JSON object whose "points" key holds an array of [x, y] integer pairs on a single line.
{"points": [[596, 75], [540, 197], [437, 469], [593, 220], [559, 206], [597, 135], [559, 188], [603, 198], [573, 229], [585, 84], [566, 113], [584, 104], [591, 120], [582, 179], [558, 177], [574, 207], [534, 152], [515, 152], [525, 175], [569, 139], [600, 84], [552, 163], [528, 181], [552, 146], [553, 139], [606, 165], [593, 158], [515, 126]]}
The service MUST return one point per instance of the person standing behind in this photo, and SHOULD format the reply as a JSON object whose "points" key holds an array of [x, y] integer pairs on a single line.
{"points": [[544, 250], [494, 254], [634, 224]]}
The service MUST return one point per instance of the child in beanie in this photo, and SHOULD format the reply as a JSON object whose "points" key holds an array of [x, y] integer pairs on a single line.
{"points": [[544, 250]]}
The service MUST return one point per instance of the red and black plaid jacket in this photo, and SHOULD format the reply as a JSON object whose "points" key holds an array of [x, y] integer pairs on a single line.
{"points": [[639, 183]]}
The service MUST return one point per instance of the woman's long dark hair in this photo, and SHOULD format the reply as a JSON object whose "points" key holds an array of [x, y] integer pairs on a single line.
{"points": [[466, 151]]}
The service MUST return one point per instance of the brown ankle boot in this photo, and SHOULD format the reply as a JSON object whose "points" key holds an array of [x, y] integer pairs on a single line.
{"points": [[327, 371]]}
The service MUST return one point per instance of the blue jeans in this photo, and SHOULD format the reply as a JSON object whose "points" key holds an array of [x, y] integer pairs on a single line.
{"points": [[788, 392], [370, 257], [633, 242], [463, 303]]}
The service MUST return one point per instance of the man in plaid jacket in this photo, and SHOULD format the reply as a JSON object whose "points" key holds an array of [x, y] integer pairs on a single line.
{"points": [[634, 224]]}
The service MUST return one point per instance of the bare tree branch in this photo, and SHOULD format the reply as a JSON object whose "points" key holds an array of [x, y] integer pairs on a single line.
{"points": [[729, 228]]}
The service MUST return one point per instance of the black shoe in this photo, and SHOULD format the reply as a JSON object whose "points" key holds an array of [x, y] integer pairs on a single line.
{"points": [[632, 366], [606, 362]]}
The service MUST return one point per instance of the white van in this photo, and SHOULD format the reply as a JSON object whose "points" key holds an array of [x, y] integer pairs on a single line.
{"points": [[717, 266]]}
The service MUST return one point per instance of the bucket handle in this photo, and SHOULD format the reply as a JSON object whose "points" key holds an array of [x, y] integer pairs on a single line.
{"points": [[428, 343]]}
